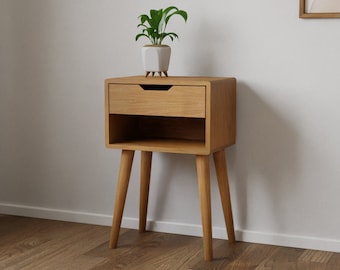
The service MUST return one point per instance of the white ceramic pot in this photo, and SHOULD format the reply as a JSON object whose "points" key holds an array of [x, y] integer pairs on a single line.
{"points": [[156, 58]]}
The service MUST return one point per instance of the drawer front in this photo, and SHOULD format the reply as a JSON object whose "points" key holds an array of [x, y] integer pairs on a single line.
{"points": [[181, 101]]}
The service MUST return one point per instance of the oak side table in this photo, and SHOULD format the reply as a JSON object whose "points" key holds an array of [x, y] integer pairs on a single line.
{"points": [[186, 115]]}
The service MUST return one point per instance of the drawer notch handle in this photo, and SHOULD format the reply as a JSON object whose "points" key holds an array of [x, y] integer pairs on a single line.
{"points": [[156, 87]]}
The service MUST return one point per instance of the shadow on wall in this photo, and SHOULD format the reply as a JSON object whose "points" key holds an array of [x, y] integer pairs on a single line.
{"points": [[172, 185], [263, 164], [263, 169]]}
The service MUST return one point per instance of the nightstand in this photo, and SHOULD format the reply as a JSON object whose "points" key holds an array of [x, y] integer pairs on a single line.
{"points": [[186, 115]]}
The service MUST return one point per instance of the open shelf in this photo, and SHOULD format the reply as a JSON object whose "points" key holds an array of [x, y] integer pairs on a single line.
{"points": [[157, 133]]}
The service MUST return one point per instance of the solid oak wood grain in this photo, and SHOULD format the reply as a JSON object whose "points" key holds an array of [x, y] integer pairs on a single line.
{"points": [[122, 187], [180, 101], [203, 176], [187, 115], [223, 185], [201, 110], [146, 159]]}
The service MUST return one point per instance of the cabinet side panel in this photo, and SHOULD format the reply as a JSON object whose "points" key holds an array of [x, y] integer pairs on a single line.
{"points": [[106, 111], [223, 113], [122, 128]]}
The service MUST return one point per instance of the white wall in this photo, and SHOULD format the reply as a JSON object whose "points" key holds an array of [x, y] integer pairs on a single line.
{"points": [[284, 169]]}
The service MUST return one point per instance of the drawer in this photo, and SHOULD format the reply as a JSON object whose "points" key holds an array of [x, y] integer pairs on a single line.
{"points": [[157, 100]]}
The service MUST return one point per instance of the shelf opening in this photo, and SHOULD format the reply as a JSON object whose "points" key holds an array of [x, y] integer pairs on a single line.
{"points": [[135, 127]]}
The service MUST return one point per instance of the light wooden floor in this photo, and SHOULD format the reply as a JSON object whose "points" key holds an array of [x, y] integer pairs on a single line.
{"points": [[28, 243]]}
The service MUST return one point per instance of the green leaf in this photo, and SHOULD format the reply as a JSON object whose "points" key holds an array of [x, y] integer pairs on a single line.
{"points": [[154, 25]]}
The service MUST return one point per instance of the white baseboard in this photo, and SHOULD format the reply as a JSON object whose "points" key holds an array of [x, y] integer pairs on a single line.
{"points": [[55, 214], [296, 241]]}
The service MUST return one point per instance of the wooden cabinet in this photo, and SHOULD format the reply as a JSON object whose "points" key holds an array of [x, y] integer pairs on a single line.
{"points": [[194, 115], [188, 115]]}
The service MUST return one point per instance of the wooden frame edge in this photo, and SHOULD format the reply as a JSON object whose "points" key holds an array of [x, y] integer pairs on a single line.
{"points": [[304, 15]]}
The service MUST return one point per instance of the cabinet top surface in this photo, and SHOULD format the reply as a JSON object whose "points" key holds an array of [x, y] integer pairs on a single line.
{"points": [[185, 80]]}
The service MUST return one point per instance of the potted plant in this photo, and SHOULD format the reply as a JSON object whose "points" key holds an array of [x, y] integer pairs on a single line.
{"points": [[156, 56]]}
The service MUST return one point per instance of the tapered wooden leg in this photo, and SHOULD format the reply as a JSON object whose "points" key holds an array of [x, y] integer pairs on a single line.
{"points": [[122, 187], [203, 175], [223, 184], [146, 158]]}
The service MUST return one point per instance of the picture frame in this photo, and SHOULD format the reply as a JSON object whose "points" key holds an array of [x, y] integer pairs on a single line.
{"points": [[318, 9]]}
